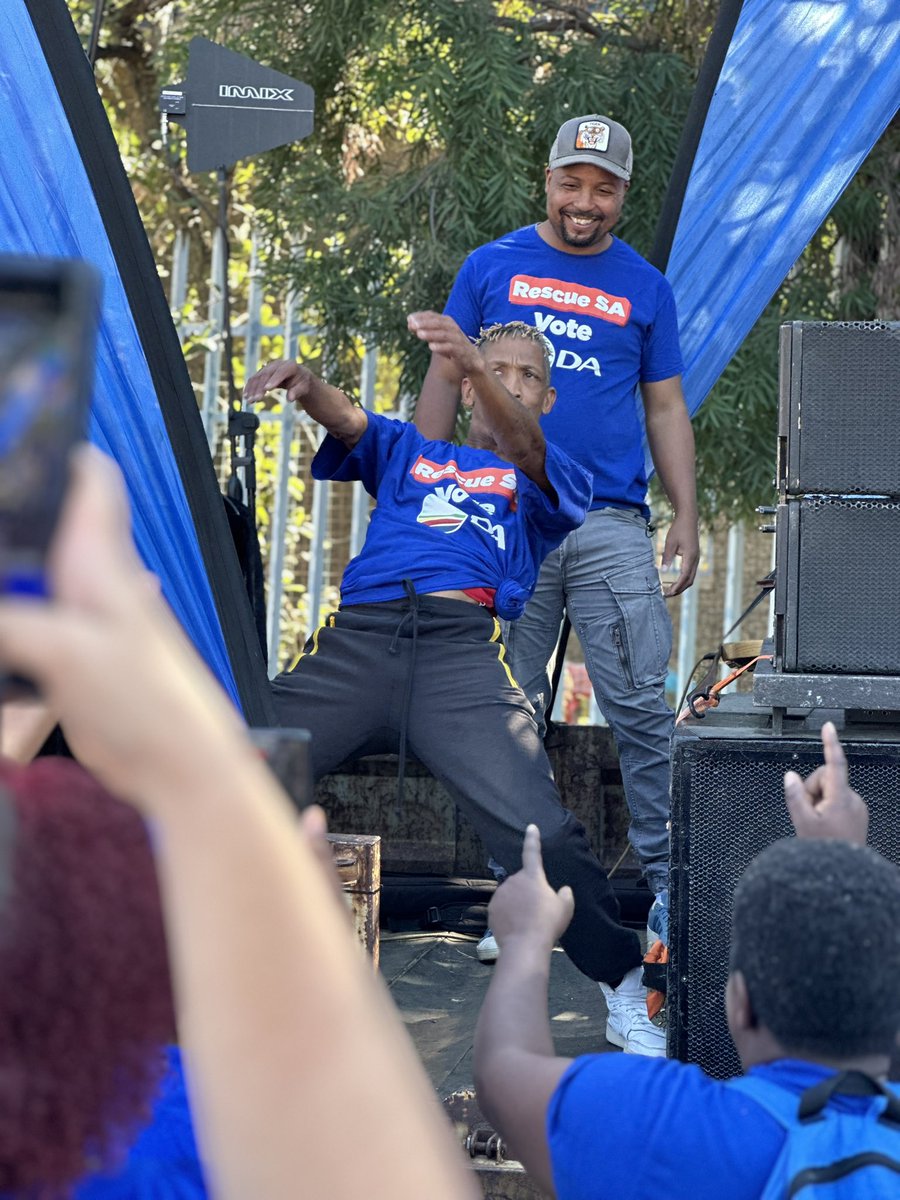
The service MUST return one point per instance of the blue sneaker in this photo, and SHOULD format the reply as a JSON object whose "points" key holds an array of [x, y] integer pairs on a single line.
{"points": [[658, 919]]}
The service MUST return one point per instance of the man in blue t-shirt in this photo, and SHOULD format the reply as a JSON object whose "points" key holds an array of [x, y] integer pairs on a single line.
{"points": [[610, 318], [415, 655], [815, 961]]}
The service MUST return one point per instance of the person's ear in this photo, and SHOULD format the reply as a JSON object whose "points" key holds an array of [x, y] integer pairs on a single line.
{"points": [[548, 173], [467, 393], [738, 1008], [627, 184], [549, 399]]}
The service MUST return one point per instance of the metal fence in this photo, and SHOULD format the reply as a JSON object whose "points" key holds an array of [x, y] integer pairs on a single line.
{"points": [[308, 531]]}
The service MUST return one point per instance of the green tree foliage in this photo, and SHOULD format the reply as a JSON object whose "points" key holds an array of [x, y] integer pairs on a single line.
{"points": [[433, 121]]}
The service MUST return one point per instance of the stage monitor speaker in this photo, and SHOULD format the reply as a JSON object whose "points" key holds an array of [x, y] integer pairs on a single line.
{"points": [[836, 585], [727, 806], [838, 427]]}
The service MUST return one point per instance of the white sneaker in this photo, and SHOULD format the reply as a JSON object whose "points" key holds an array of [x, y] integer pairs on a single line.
{"points": [[487, 950], [628, 1025]]}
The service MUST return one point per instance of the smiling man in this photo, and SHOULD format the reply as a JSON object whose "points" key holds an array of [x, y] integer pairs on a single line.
{"points": [[610, 318]]}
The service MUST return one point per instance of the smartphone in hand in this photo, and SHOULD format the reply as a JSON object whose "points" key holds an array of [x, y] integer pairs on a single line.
{"points": [[49, 313], [287, 754], [48, 323]]}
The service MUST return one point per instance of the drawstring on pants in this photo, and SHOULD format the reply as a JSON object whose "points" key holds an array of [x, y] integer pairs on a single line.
{"points": [[410, 617]]}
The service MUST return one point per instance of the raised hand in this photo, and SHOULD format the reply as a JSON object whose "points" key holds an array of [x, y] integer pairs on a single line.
{"points": [[825, 805], [444, 337], [280, 373], [526, 906]]}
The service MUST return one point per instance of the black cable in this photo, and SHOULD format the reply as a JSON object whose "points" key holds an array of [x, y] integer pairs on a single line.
{"points": [[704, 89], [99, 7]]}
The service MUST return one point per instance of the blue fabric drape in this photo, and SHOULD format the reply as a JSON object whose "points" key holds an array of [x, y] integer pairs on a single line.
{"points": [[47, 207], [806, 89]]}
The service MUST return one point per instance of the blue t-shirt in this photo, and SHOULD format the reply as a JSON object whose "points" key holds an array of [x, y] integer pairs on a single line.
{"points": [[640, 1128], [611, 321], [451, 517], [163, 1163]]}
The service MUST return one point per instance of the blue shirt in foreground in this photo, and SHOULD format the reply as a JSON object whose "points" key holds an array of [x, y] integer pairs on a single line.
{"points": [[163, 1163], [451, 517], [633, 1128]]}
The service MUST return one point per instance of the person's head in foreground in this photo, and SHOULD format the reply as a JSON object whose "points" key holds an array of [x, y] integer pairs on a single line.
{"points": [[519, 355], [815, 958], [85, 1002]]}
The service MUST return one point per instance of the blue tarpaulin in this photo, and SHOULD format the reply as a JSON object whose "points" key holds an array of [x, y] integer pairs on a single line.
{"points": [[806, 89], [47, 207]]}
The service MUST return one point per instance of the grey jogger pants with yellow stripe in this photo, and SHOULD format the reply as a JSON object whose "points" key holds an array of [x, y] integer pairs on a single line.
{"points": [[435, 669]]}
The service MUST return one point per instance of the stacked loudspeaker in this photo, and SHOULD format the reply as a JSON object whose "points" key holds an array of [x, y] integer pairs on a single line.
{"points": [[837, 648], [838, 519]]}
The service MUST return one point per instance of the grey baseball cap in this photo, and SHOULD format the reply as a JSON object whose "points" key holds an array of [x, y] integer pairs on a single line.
{"points": [[593, 139]]}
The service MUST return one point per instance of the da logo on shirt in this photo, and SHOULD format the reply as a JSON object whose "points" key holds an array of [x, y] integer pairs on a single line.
{"points": [[570, 298], [439, 514]]}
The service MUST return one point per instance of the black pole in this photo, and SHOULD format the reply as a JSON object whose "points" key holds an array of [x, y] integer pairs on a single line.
{"points": [[241, 424], [70, 70], [704, 90], [99, 6]]}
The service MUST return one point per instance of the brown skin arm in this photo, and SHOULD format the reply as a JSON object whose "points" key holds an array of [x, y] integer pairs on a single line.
{"points": [[325, 404], [517, 435], [516, 1068], [438, 403], [671, 441]]}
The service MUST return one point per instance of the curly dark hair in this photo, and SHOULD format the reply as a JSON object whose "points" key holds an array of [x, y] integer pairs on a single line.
{"points": [[85, 999], [815, 935]]}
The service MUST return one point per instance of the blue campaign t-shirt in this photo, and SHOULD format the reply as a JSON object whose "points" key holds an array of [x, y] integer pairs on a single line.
{"points": [[611, 321], [451, 517], [635, 1128], [163, 1162]]}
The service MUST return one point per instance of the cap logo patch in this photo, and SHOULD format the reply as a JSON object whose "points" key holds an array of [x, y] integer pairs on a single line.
{"points": [[592, 135]]}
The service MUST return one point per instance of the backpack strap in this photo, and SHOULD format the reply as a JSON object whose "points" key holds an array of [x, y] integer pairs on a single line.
{"points": [[850, 1083], [785, 1108]]}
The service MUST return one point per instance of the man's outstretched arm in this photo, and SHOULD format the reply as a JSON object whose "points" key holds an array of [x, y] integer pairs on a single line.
{"points": [[516, 1068], [327, 405], [516, 431]]}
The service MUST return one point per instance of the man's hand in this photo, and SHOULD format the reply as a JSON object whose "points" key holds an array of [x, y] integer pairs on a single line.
{"points": [[682, 541], [444, 337], [824, 805], [526, 906], [324, 403], [281, 373]]}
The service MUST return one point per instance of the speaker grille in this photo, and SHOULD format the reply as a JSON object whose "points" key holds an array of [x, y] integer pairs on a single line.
{"points": [[727, 807], [849, 435], [848, 586]]}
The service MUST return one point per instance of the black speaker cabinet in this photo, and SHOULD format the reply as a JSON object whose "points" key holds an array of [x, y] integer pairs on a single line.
{"points": [[727, 805], [837, 585], [838, 426]]}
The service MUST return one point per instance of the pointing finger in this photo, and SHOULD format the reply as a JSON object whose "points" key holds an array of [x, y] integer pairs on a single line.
{"points": [[834, 751], [532, 863]]}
